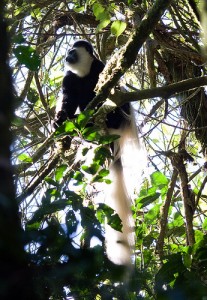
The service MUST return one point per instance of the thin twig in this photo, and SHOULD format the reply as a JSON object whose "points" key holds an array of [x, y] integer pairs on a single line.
{"points": [[164, 214]]}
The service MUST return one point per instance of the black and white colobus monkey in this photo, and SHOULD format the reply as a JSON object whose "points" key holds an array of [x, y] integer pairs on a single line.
{"points": [[79, 84], [78, 90]]}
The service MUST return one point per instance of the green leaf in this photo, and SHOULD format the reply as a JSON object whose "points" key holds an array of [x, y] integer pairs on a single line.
{"points": [[83, 118], [78, 176], [25, 158], [158, 179], [17, 121], [104, 172], [18, 39], [177, 222], [187, 260], [51, 181], [91, 134], [59, 172], [92, 169], [153, 213], [79, 9], [107, 181], [103, 24], [101, 15], [204, 225], [198, 236], [67, 127], [146, 200], [114, 221], [166, 273], [98, 10], [118, 27], [47, 209], [108, 139], [113, 218], [85, 151], [33, 226], [87, 219], [146, 191], [100, 176], [100, 216], [101, 154], [27, 56], [74, 198], [176, 231]]}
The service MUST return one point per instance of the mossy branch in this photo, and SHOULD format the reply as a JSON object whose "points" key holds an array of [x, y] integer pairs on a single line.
{"points": [[164, 92], [126, 56]]}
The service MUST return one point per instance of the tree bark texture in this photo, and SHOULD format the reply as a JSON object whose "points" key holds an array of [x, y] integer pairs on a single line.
{"points": [[14, 277]]}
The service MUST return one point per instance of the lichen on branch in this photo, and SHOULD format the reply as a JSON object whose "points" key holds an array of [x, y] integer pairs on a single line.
{"points": [[126, 56]]}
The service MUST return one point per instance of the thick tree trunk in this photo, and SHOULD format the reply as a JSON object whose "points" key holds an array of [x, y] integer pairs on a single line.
{"points": [[14, 277]]}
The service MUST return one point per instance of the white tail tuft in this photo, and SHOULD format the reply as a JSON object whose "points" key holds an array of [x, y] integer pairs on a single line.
{"points": [[119, 245], [125, 170]]}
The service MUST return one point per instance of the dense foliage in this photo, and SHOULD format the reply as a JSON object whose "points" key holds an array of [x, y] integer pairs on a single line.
{"points": [[157, 50]]}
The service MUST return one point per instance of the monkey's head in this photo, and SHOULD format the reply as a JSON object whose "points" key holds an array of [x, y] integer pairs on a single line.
{"points": [[79, 58]]}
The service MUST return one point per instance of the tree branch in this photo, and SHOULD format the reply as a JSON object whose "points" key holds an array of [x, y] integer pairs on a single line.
{"points": [[189, 207], [39, 153], [177, 160], [126, 56], [164, 214], [165, 92], [39, 177], [14, 275], [120, 98]]}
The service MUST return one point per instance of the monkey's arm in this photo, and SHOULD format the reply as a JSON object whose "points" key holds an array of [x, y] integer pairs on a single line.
{"points": [[69, 102]]}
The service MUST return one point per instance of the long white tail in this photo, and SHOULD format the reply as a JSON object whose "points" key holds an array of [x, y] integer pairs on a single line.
{"points": [[125, 175]]}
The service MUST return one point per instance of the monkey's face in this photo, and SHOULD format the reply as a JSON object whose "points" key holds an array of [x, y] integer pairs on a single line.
{"points": [[79, 60], [72, 57]]}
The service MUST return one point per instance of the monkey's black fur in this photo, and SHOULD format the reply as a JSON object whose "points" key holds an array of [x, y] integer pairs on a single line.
{"points": [[78, 90]]}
